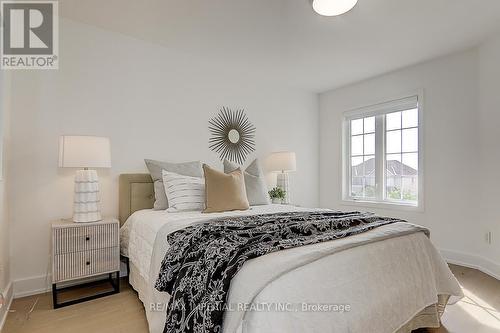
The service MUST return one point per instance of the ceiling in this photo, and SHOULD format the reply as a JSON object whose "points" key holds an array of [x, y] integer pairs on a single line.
{"points": [[285, 39]]}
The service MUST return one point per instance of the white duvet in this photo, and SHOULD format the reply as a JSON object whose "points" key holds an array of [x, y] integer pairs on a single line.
{"points": [[326, 287]]}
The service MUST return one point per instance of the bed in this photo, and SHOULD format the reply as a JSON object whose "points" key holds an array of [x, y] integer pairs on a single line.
{"points": [[380, 284]]}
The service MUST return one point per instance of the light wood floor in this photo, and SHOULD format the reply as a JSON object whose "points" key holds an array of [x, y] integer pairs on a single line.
{"points": [[478, 312]]}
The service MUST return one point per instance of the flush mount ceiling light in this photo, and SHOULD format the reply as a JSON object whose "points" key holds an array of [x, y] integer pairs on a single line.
{"points": [[333, 7]]}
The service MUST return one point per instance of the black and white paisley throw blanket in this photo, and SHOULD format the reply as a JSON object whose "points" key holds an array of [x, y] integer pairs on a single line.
{"points": [[202, 259]]}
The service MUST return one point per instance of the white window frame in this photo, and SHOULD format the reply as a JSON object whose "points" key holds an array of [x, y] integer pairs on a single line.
{"points": [[389, 105]]}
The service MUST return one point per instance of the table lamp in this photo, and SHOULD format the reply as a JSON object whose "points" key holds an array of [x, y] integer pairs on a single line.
{"points": [[283, 162], [85, 152]]}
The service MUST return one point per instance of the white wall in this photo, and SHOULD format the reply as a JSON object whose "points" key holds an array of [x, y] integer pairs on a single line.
{"points": [[456, 169], [5, 280], [489, 134], [152, 102]]}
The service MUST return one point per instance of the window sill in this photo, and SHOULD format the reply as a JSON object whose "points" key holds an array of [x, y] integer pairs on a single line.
{"points": [[383, 205]]}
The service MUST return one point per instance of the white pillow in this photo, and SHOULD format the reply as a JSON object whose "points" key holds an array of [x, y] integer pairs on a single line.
{"points": [[255, 182], [184, 192]]}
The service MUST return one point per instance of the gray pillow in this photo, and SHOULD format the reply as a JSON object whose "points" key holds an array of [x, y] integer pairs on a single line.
{"points": [[255, 182], [192, 169]]}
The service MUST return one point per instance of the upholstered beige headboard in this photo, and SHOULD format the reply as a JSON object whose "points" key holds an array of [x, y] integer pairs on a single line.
{"points": [[136, 192]]}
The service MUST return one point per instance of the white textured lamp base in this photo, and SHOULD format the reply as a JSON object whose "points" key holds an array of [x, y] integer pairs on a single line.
{"points": [[86, 201], [283, 183]]}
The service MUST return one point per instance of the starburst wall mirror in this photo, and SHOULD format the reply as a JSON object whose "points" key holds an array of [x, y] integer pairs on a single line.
{"points": [[232, 135]]}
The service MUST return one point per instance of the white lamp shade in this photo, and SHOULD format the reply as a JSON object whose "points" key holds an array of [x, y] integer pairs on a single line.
{"points": [[333, 7], [84, 152], [282, 161]]}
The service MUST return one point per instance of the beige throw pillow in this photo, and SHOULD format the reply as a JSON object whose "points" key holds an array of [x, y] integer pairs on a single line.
{"points": [[224, 192]]}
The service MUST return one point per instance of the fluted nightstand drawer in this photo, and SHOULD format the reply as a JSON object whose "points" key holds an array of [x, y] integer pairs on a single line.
{"points": [[85, 237], [75, 265]]}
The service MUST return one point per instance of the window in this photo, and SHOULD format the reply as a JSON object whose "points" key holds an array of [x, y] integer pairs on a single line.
{"points": [[382, 155]]}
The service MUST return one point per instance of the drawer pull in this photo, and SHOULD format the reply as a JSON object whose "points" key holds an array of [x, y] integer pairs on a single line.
{"points": [[87, 263], [87, 238]]}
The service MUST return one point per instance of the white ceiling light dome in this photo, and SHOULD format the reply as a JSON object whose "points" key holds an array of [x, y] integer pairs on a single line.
{"points": [[333, 7]]}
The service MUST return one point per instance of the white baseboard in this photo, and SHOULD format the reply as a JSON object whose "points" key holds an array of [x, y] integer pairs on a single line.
{"points": [[472, 261], [4, 311], [31, 286]]}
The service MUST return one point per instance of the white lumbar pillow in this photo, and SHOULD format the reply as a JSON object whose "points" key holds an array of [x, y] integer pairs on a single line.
{"points": [[184, 192]]}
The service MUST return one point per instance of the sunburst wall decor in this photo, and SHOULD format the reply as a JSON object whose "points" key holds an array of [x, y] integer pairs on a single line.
{"points": [[232, 135]]}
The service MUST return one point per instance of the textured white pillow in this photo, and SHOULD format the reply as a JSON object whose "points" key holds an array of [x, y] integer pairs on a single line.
{"points": [[184, 192]]}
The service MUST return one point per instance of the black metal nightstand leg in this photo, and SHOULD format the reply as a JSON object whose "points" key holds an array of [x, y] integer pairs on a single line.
{"points": [[115, 283], [54, 296]]}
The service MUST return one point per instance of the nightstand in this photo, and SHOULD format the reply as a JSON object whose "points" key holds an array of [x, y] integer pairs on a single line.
{"points": [[82, 251]]}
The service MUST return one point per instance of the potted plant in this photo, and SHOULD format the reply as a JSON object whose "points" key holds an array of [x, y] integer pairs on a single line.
{"points": [[277, 195]]}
